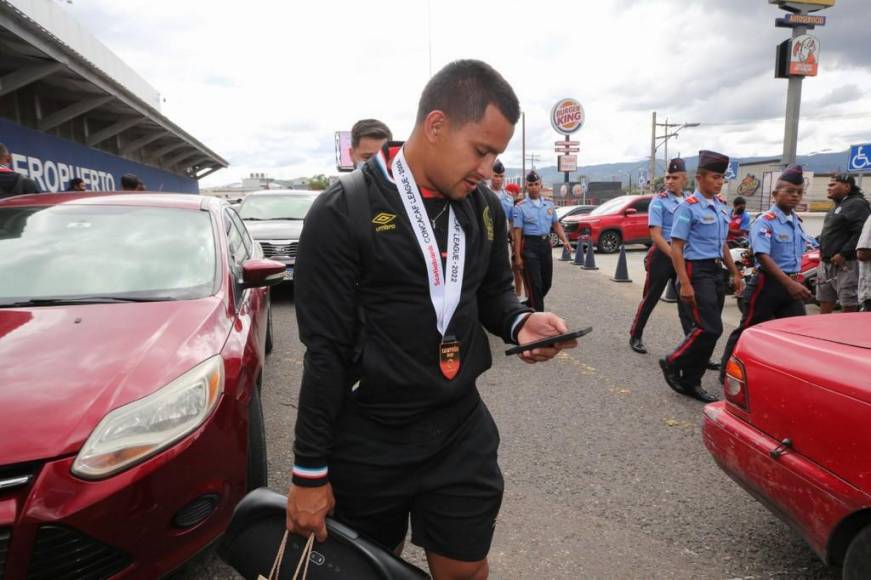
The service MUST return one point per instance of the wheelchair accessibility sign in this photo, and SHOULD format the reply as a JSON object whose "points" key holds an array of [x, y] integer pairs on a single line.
{"points": [[860, 158]]}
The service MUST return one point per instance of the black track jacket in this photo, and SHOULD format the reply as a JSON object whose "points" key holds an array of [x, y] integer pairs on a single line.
{"points": [[400, 378]]}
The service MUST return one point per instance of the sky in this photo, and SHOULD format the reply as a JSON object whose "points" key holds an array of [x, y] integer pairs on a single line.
{"points": [[265, 84]]}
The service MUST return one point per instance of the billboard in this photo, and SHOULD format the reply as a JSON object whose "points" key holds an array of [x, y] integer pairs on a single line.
{"points": [[567, 116], [52, 162], [343, 151], [804, 56]]}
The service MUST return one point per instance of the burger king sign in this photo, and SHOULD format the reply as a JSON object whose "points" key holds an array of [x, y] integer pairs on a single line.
{"points": [[567, 116]]}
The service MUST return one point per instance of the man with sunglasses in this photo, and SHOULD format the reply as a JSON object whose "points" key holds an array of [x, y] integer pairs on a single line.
{"points": [[838, 272], [778, 242]]}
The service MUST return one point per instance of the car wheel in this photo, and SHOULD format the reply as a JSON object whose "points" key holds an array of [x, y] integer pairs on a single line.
{"points": [[268, 345], [609, 242], [857, 562], [257, 469], [554, 240]]}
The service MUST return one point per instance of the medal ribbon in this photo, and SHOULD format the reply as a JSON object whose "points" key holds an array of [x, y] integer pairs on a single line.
{"points": [[445, 284]]}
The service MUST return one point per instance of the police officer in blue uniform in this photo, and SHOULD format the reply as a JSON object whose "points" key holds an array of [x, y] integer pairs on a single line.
{"points": [[698, 242], [497, 183], [778, 242], [659, 267], [534, 219]]}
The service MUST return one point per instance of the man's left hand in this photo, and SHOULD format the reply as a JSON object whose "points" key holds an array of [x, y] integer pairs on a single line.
{"points": [[540, 325], [838, 260], [739, 283]]}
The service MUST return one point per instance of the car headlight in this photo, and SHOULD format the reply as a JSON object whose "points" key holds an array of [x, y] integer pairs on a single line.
{"points": [[140, 429]]}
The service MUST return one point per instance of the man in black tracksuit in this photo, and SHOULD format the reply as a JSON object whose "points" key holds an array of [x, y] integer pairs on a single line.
{"points": [[838, 272], [12, 182], [396, 428]]}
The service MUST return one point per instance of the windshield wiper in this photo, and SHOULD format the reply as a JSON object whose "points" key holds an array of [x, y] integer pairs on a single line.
{"points": [[252, 219], [288, 218], [80, 300]]}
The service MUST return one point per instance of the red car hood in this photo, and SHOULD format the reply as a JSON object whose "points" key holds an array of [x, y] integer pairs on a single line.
{"points": [[65, 367]]}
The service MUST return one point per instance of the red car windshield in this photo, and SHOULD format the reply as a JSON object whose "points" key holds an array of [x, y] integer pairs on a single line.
{"points": [[105, 253], [610, 206]]}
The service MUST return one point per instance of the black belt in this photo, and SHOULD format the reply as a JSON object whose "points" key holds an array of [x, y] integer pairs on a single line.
{"points": [[716, 261], [544, 237]]}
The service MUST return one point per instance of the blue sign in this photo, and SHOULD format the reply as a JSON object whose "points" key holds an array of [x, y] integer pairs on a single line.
{"points": [[52, 162], [860, 158], [732, 170]]}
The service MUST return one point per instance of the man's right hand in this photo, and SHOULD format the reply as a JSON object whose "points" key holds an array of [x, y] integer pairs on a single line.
{"points": [[798, 291], [307, 510], [517, 263], [687, 294]]}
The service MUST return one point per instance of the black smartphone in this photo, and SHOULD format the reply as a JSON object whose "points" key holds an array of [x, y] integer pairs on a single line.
{"points": [[549, 341]]}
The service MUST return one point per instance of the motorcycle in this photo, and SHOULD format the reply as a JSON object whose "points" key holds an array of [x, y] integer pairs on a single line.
{"points": [[742, 256]]}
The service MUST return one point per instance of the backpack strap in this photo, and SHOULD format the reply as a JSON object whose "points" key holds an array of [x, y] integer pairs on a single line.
{"points": [[359, 210]]}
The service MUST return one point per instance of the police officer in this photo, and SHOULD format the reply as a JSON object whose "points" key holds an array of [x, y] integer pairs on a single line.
{"points": [[659, 267], [698, 242], [497, 183], [739, 221], [534, 218], [778, 242]]}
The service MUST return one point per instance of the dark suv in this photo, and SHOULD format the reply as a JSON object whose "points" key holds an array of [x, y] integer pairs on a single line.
{"points": [[622, 220]]}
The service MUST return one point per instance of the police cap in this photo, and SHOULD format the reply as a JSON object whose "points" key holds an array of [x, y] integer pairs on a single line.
{"points": [[498, 168], [793, 175], [532, 177], [713, 161], [677, 165]]}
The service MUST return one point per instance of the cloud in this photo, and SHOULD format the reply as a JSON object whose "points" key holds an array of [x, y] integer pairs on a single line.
{"points": [[267, 84]]}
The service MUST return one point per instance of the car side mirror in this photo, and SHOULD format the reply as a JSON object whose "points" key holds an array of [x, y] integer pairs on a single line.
{"points": [[262, 273], [630, 211]]}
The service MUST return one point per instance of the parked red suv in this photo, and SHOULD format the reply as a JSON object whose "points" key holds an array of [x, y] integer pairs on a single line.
{"points": [[622, 220], [133, 334]]}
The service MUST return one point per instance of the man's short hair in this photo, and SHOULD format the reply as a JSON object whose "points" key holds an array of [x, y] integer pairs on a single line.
{"points": [[371, 128], [129, 181], [463, 89], [739, 201], [76, 181]]}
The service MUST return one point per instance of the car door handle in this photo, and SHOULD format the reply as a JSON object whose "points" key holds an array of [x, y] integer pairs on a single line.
{"points": [[778, 451]]}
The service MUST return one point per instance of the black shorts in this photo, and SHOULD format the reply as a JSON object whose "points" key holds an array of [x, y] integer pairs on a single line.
{"points": [[442, 471]]}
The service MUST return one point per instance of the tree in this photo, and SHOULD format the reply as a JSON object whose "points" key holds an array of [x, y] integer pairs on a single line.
{"points": [[319, 182]]}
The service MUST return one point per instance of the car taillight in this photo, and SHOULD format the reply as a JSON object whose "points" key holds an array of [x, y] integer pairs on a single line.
{"points": [[735, 384]]}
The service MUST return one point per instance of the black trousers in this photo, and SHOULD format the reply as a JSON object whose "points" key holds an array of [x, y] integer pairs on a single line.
{"points": [[764, 299], [703, 321], [659, 271], [537, 269]]}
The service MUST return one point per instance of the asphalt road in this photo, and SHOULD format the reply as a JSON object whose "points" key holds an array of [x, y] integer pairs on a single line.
{"points": [[605, 470]]}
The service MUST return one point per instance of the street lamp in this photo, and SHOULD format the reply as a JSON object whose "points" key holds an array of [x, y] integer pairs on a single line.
{"points": [[668, 135]]}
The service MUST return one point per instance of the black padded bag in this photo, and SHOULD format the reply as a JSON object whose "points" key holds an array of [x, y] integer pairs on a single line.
{"points": [[252, 539]]}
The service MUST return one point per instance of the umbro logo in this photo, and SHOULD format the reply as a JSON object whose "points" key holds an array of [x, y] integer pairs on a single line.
{"points": [[384, 222]]}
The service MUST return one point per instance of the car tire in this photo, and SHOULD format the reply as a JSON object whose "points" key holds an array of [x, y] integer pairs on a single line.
{"points": [[554, 240], [257, 466], [857, 561], [609, 242], [268, 345]]}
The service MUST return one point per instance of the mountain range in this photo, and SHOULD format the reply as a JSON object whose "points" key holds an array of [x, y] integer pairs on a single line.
{"points": [[818, 163]]}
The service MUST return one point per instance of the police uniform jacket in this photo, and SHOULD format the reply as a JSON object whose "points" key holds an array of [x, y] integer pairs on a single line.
{"points": [[843, 226], [703, 224], [661, 212], [535, 219], [398, 370], [507, 205], [781, 237]]}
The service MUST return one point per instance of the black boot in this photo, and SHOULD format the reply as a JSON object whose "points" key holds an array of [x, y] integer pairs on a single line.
{"points": [[636, 345], [671, 376], [713, 365], [698, 393]]}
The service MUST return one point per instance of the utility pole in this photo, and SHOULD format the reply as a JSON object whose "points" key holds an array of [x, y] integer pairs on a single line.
{"points": [[793, 106], [523, 170], [533, 157], [651, 164]]}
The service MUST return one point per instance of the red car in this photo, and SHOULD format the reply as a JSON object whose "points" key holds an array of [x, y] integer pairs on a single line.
{"points": [[133, 332], [622, 220], [795, 427]]}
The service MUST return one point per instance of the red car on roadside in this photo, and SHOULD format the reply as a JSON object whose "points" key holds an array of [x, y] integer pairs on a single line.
{"points": [[622, 220], [133, 334], [795, 428]]}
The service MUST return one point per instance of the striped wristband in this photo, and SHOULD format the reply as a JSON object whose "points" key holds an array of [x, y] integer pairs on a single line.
{"points": [[309, 476]]}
